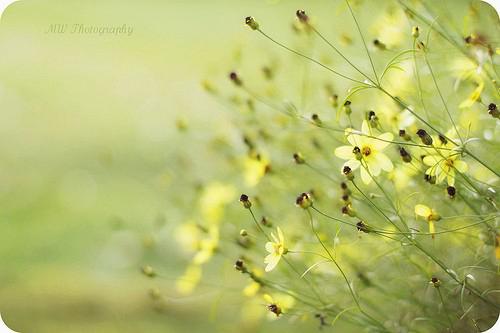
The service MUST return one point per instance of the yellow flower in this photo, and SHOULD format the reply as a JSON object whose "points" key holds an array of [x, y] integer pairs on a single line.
{"points": [[430, 215], [276, 249], [254, 169], [207, 246], [443, 165], [280, 304], [214, 198], [473, 97], [187, 282], [366, 151]]}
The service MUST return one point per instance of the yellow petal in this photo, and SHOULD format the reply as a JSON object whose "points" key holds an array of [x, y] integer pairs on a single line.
{"points": [[353, 164], [271, 260], [365, 176], [422, 210], [365, 129], [431, 160], [461, 166], [280, 236], [344, 152], [379, 144], [269, 247], [384, 162]]}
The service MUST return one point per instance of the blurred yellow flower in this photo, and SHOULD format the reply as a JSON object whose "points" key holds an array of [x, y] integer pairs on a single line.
{"points": [[189, 280], [213, 199], [443, 165], [429, 214], [254, 169], [207, 246], [473, 97], [279, 304], [366, 151], [276, 249]]}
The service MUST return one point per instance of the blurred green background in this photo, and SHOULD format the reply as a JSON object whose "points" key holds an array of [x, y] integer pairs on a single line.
{"points": [[93, 167]]}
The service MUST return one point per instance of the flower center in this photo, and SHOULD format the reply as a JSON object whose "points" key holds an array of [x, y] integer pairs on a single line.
{"points": [[366, 151], [449, 163], [277, 248]]}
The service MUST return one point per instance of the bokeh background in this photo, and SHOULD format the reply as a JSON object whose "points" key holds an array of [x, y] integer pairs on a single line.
{"points": [[96, 170]]}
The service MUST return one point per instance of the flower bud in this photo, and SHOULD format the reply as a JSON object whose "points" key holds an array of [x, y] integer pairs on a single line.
{"points": [[404, 135], [245, 201], [361, 226], [348, 210], [298, 158], [233, 76], [404, 155], [304, 200], [274, 308], [425, 137], [357, 153], [347, 107], [348, 173], [148, 271], [452, 191], [379, 45], [415, 32], [435, 282], [250, 21], [316, 120], [239, 265], [243, 233], [302, 16], [493, 110]]}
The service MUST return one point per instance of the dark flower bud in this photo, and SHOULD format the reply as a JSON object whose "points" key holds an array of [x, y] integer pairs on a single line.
{"points": [[239, 265], [404, 135], [233, 76], [274, 308], [357, 153], [378, 44], [415, 32], [443, 140], [361, 226], [302, 16], [425, 137], [250, 21], [404, 155], [348, 173], [245, 201], [345, 198], [265, 222], [430, 179], [299, 159], [493, 110], [304, 200], [343, 186], [347, 107], [315, 119], [348, 210], [452, 191], [435, 282]]}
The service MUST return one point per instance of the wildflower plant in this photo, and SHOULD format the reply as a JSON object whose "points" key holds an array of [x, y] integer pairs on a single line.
{"points": [[306, 115]]}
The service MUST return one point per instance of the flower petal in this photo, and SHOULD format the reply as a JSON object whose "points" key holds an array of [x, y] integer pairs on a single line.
{"points": [[451, 178], [280, 236], [344, 152], [365, 129], [353, 164], [365, 176], [461, 166], [422, 210], [269, 247], [382, 143], [384, 162], [271, 261], [431, 160]]}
